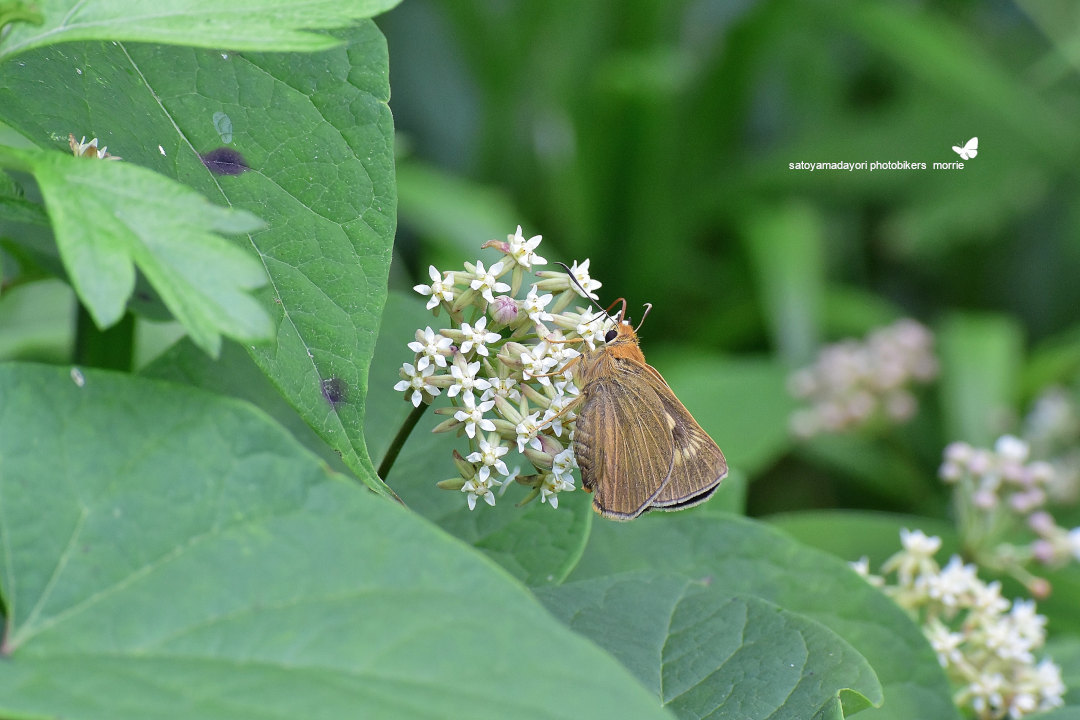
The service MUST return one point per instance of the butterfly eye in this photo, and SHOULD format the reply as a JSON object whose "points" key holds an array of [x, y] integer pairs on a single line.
{"points": [[611, 335]]}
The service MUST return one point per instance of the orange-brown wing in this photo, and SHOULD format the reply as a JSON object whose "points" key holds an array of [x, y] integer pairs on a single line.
{"points": [[697, 466], [622, 443]]}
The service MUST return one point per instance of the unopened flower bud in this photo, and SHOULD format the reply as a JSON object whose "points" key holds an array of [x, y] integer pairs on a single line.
{"points": [[506, 429], [506, 408], [1043, 551], [510, 354], [500, 245], [466, 468], [550, 445], [504, 311], [539, 458], [1039, 588], [958, 452], [1042, 523], [447, 425], [454, 484]]}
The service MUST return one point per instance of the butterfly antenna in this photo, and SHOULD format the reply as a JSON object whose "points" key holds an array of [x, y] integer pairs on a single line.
{"points": [[583, 290], [648, 309]]}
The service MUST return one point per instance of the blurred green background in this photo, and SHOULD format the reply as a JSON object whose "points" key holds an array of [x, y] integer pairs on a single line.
{"points": [[655, 139]]}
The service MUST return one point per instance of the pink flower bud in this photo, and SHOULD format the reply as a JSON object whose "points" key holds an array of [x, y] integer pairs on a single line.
{"points": [[504, 311], [1043, 551], [1040, 588], [1042, 523], [550, 445]]}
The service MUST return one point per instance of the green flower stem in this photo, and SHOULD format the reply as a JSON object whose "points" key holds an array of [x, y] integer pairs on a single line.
{"points": [[399, 440]]}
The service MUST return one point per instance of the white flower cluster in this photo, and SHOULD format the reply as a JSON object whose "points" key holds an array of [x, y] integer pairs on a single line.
{"points": [[986, 644], [505, 364], [853, 383]]}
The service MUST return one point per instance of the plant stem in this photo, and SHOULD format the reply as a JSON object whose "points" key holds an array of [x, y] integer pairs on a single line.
{"points": [[399, 440], [113, 348]]}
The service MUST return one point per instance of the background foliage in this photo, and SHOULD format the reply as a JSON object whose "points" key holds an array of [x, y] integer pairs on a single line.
{"points": [[171, 551]]}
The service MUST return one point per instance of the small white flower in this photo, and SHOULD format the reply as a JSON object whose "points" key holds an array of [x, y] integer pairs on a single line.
{"points": [[550, 487], [439, 289], [581, 274], [490, 456], [522, 250], [986, 693], [986, 599], [958, 452], [1012, 448], [536, 363], [473, 415], [1028, 624], [556, 411], [535, 306], [945, 643], [918, 544], [503, 387], [480, 488], [1047, 680], [465, 377], [485, 281], [526, 432], [415, 380], [562, 353], [434, 347], [592, 331], [1002, 639], [477, 337], [563, 465], [954, 584]]}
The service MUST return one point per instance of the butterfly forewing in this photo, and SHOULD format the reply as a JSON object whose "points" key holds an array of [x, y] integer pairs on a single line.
{"points": [[622, 442]]}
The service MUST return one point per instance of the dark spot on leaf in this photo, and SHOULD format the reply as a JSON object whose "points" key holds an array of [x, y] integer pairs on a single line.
{"points": [[224, 161], [335, 391]]}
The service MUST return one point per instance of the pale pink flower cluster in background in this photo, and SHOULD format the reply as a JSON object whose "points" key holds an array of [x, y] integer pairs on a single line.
{"points": [[854, 383]]}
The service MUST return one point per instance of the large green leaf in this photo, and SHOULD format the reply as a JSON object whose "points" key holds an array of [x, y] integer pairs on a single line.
{"points": [[167, 553], [744, 557], [317, 135], [707, 654], [239, 25]]}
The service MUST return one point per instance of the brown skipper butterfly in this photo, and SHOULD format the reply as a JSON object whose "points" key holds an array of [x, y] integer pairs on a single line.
{"points": [[638, 447]]}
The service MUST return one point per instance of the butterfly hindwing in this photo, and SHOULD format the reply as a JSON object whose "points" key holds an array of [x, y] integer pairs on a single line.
{"points": [[697, 466]]}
